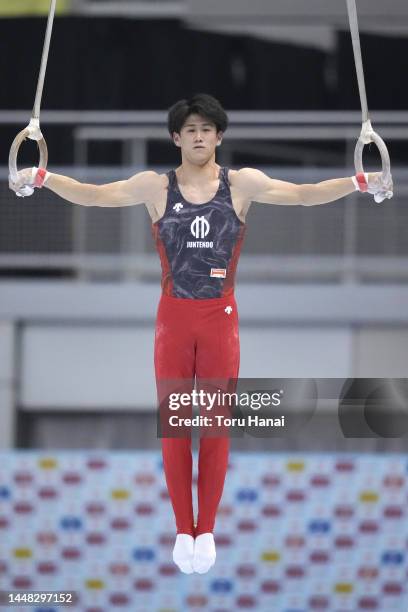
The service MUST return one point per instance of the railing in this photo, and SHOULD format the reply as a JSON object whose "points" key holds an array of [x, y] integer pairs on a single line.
{"points": [[131, 8], [134, 129]]}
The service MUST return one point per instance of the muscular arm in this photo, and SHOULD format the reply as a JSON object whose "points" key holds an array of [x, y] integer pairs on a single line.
{"points": [[138, 189], [258, 187]]}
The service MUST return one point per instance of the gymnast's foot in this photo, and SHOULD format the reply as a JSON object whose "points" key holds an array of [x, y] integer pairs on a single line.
{"points": [[183, 552], [204, 553]]}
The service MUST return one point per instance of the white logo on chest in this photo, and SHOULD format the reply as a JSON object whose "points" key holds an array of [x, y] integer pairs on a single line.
{"points": [[178, 206], [228, 310], [200, 227]]}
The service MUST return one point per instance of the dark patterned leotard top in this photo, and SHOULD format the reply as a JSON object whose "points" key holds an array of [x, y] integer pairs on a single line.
{"points": [[199, 244]]}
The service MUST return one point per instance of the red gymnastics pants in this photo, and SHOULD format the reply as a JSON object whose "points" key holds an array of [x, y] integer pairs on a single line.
{"points": [[195, 338]]}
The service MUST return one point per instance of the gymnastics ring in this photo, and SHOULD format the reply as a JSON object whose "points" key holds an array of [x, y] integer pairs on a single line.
{"points": [[368, 135], [33, 132]]}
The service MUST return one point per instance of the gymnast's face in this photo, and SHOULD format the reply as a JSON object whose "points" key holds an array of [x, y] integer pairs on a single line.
{"points": [[197, 139]]}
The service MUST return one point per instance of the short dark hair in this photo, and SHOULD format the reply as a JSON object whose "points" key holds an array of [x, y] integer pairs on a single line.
{"points": [[201, 104]]}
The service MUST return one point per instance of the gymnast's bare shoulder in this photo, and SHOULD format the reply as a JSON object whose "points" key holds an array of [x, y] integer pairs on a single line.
{"points": [[255, 186], [147, 187]]}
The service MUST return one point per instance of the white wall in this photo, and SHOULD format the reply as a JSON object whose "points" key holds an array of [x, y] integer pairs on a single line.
{"points": [[381, 352], [7, 383]]}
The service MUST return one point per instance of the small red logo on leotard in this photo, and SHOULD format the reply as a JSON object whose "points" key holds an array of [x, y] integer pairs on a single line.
{"points": [[218, 272]]}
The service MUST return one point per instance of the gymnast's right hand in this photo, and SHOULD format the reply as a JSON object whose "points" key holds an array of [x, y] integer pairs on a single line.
{"points": [[24, 186], [27, 180]]}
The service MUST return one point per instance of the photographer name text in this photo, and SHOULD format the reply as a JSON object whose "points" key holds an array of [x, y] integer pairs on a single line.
{"points": [[221, 421]]}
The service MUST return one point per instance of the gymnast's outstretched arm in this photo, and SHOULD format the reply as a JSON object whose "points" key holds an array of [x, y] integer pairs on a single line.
{"points": [[258, 187], [140, 188]]}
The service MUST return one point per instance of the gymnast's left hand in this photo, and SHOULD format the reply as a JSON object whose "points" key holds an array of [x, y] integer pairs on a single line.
{"points": [[378, 187]]}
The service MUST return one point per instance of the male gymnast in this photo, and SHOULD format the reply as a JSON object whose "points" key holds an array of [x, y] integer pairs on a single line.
{"points": [[198, 214]]}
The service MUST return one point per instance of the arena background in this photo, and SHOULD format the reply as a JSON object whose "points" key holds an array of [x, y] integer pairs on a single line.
{"points": [[315, 520]]}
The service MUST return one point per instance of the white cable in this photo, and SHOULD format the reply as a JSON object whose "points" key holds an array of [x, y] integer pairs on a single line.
{"points": [[44, 61], [355, 38]]}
